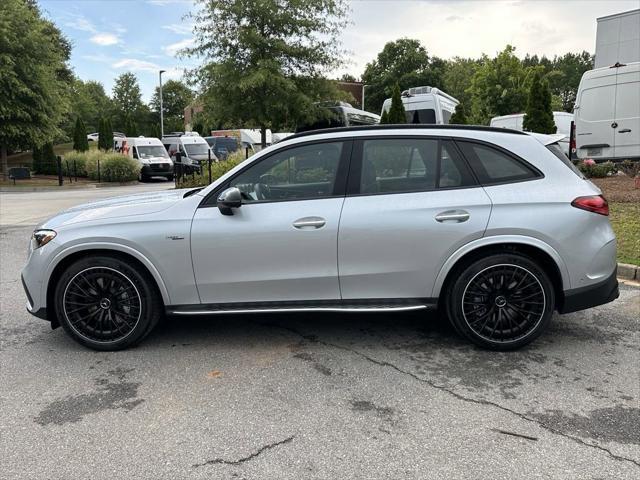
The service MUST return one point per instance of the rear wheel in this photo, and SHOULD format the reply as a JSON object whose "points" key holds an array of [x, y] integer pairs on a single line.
{"points": [[501, 302], [106, 304]]}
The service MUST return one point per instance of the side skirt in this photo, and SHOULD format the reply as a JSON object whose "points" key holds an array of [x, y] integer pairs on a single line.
{"points": [[366, 305]]}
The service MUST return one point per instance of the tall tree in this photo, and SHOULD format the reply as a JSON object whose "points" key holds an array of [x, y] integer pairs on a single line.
{"points": [[405, 62], [127, 99], [34, 77], [89, 102], [459, 117], [458, 76], [499, 86], [396, 112], [265, 62], [176, 96], [539, 116], [80, 142]]}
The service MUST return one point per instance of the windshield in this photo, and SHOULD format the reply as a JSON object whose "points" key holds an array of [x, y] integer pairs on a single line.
{"points": [[196, 148], [150, 151], [557, 151]]}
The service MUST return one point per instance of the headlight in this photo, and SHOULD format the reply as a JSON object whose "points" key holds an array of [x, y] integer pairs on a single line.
{"points": [[41, 238]]}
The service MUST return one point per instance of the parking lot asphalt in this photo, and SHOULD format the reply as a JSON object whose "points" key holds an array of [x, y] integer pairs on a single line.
{"points": [[315, 396]]}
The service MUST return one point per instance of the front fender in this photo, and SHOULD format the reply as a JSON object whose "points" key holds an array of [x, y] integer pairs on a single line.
{"points": [[500, 240], [116, 247]]}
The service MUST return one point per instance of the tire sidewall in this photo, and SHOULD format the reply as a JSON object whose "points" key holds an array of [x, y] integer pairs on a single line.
{"points": [[466, 274], [147, 294]]}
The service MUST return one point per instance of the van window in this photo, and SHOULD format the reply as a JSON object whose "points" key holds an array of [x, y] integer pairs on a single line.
{"points": [[446, 116], [427, 115], [597, 103], [197, 148], [493, 166]]}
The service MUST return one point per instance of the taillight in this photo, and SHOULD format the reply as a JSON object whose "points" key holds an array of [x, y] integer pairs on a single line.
{"points": [[594, 203]]}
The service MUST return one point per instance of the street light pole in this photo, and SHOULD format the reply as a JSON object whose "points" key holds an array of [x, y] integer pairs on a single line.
{"points": [[363, 89], [161, 109]]}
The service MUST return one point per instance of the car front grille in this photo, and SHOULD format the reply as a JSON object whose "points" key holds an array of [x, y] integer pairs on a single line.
{"points": [[159, 167]]}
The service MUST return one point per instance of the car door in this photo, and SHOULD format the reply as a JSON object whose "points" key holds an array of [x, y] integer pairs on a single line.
{"points": [[410, 203], [281, 244], [627, 130]]}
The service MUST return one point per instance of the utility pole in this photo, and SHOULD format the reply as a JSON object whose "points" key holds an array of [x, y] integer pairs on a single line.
{"points": [[363, 89], [161, 109]]}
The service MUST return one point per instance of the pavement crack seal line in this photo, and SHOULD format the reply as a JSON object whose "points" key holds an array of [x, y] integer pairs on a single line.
{"points": [[382, 363], [242, 460]]}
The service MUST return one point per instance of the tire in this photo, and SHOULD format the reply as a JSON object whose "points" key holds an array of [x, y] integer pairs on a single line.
{"points": [[105, 303], [170, 178], [501, 302], [144, 178]]}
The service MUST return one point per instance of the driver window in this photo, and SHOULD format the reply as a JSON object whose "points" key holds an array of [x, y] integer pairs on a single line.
{"points": [[304, 172]]}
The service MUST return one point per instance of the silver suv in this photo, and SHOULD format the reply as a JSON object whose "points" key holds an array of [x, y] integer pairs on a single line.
{"points": [[489, 226]]}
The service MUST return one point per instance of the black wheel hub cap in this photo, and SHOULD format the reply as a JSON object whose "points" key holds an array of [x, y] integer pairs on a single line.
{"points": [[503, 303], [102, 304]]}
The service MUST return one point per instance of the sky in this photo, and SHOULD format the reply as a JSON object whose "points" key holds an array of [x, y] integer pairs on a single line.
{"points": [[110, 37]]}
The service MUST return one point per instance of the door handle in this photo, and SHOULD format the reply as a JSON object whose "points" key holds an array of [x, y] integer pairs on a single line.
{"points": [[624, 130], [308, 223], [457, 216]]}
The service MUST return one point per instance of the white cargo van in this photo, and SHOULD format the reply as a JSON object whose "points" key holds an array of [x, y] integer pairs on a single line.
{"points": [[561, 119], [194, 150], [426, 105], [607, 113], [149, 152]]}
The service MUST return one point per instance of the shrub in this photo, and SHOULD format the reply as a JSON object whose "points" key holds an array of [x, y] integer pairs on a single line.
{"points": [[48, 164], [590, 169], [80, 159], [113, 167], [630, 168], [217, 170]]}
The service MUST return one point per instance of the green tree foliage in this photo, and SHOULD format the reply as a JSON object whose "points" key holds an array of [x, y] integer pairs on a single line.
{"points": [[130, 127], [396, 111], [384, 118], [105, 140], [458, 75], [48, 164], [80, 142], [265, 62], [499, 87], [36, 154], [89, 102], [176, 96], [459, 117], [127, 101], [405, 62], [34, 77], [539, 116]]}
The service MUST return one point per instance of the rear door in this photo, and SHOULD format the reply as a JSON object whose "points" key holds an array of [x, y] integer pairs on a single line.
{"points": [[411, 202], [627, 130], [595, 117]]}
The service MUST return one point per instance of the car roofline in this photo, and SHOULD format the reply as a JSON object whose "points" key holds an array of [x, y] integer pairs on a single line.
{"points": [[411, 126]]}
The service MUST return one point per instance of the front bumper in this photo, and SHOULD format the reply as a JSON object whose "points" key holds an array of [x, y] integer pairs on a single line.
{"points": [[590, 296], [40, 312], [157, 169]]}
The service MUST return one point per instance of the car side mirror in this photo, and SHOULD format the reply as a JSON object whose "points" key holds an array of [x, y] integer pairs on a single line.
{"points": [[229, 199]]}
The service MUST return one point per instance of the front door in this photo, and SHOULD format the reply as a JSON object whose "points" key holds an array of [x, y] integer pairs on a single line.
{"points": [[281, 244], [411, 202]]}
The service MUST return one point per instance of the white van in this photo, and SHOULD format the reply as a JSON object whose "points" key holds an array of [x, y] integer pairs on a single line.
{"points": [[561, 119], [248, 137], [426, 105], [194, 150], [607, 113], [149, 152]]}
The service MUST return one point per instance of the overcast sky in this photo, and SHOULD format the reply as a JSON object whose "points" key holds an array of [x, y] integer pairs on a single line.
{"points": [[114, 36]]}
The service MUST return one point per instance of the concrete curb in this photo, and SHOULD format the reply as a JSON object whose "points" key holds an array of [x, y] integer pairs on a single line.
{"points": [[628, 272]]}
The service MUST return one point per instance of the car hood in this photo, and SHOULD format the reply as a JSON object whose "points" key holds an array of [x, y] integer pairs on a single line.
{"points": [[138, 204]]}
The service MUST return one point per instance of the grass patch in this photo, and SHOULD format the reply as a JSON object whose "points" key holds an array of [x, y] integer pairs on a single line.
{"points": [[625, 218]]}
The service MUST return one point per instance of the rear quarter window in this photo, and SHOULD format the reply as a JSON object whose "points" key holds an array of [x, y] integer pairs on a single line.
{"points": [[493, 166]]}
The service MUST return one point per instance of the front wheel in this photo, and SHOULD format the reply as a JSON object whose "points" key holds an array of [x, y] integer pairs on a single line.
{"points": [[501, 302], [105, 303]]}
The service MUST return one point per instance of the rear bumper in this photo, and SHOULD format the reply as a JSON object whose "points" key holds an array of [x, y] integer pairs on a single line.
{"points": [[591, 296]]}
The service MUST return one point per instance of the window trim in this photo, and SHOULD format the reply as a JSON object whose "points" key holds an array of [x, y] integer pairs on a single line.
{"points": [[339, 187], [353, 182], [537, 174]]}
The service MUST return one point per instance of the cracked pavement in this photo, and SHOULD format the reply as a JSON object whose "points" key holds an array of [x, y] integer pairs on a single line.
{"points": [[317, 396]]}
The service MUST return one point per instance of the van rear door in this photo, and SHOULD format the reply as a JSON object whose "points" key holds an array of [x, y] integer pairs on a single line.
{"points": [[595, 115], [627, 136]]}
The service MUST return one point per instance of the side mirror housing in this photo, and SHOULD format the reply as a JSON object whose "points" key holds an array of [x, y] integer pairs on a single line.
{"points": [[229, 199]]}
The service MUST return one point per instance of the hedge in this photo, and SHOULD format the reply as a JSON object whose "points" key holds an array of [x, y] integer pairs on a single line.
{"points": [[114, 167], [217, 170]]}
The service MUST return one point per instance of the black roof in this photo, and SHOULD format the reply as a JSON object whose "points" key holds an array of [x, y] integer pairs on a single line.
{"points": [[406, 126]]}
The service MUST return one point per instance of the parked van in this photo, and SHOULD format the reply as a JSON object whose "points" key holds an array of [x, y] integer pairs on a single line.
{"points": [[248, 137], [194, 149], [342, 115], [607, 113], [149, 152], [223, 146], [561, 119], [426, 105]]}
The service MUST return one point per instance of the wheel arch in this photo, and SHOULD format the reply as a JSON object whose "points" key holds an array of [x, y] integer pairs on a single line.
{"points": [[548, 257], [70, 255]]}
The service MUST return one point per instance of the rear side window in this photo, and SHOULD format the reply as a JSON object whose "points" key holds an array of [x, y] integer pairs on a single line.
{"points": [[557, 151], [494, 166]]}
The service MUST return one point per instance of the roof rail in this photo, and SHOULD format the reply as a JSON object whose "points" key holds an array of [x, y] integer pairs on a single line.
{"points": [[406, 126]]}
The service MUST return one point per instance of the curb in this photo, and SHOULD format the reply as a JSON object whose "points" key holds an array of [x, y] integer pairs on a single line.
{"points": [[628, 272]]}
